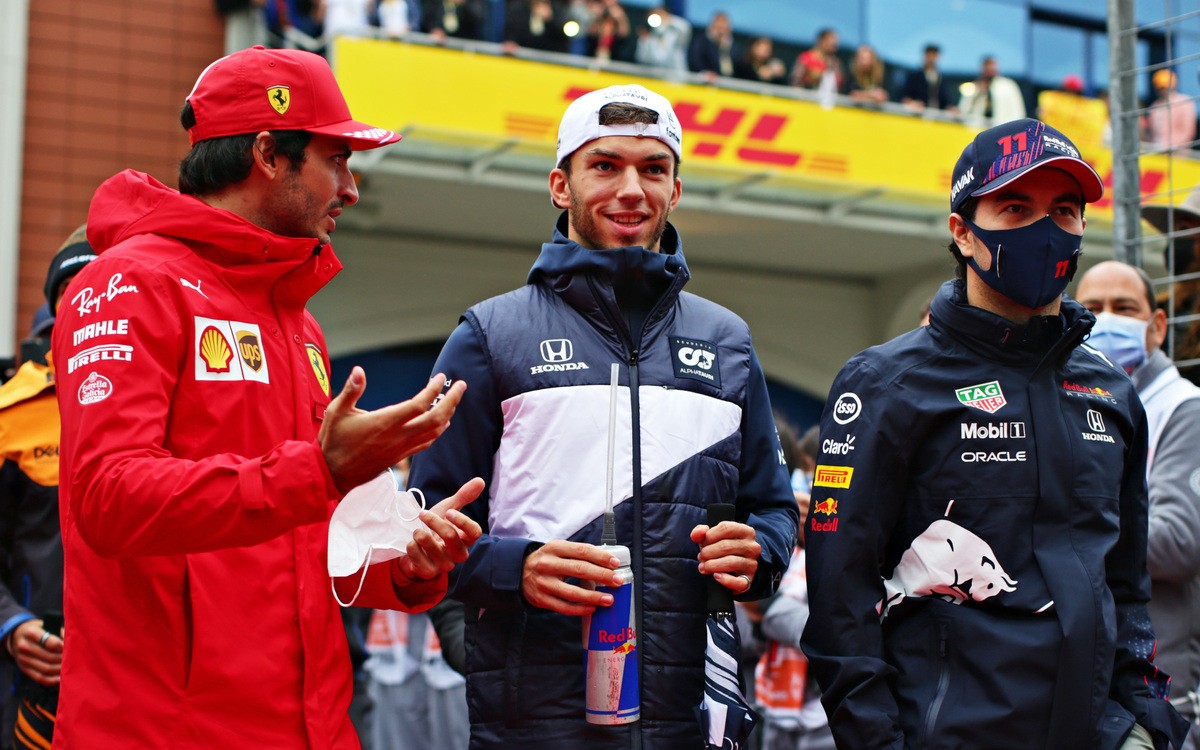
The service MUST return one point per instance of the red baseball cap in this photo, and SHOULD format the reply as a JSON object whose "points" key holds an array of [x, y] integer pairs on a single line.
{"points": [[260, 89]]}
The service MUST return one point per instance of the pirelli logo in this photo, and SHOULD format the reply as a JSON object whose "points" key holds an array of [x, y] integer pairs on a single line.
{"points": [[837, 477]]}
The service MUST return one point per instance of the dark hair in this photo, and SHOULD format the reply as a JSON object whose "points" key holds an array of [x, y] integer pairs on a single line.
{"points": [[619, 113], [216, 163], [933, 48], [810, 443]]}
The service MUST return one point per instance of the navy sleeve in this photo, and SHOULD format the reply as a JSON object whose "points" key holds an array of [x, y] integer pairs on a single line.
{"points": [[491, 576], [854, 508], [1136, 682], [12, 613], [765, 496]]}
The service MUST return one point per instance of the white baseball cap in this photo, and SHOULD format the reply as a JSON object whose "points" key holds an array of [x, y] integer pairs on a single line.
{"points": [[581, 122]]}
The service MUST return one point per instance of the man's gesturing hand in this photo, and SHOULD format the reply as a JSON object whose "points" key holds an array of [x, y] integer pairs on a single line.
{"points": [[446, 539], [358, 444]]}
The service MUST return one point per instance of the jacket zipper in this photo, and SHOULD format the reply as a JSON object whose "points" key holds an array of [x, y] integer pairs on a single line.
{"points": [[943, 686]]}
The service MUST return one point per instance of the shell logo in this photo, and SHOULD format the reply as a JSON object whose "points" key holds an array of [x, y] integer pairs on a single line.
{"points": [[215, 350]]}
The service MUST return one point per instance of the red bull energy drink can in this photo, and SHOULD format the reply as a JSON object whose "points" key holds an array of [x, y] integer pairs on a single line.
{"points": [[611, 655]]}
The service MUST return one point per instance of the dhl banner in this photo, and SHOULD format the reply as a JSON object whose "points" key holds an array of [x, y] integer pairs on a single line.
{"points": [[401, 86]]}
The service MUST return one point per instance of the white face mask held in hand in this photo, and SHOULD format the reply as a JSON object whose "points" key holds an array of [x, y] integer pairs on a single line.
{"points": [[374, 523]]}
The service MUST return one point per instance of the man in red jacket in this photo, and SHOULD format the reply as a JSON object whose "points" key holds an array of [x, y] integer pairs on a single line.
{"points": [[201, 454]]}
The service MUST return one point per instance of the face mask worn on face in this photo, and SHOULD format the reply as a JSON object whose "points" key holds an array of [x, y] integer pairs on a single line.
{"points": [[1031, 265], [1120, 338], [374, 523]]}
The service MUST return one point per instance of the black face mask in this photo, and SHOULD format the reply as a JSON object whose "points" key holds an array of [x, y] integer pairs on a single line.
{"points": [[1184, 254]]}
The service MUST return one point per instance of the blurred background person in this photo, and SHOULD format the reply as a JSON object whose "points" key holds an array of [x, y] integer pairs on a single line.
{"points": [[663, 42], [31, 556], [992, 98], [711, 53], [927, 87], [1180, 257], [608, 36], [760, 64], [867, 76], [1171, 120], [457, 18], [534, 24], [820, 65]]}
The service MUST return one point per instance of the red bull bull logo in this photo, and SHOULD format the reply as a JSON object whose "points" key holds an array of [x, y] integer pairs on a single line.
{"points": [[828, 506]]}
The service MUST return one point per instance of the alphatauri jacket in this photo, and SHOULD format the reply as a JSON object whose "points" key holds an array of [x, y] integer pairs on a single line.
{"points": [[694, 427]]}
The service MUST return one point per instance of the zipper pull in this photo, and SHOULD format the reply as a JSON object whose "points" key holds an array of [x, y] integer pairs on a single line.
{"points": [[633, 358]]}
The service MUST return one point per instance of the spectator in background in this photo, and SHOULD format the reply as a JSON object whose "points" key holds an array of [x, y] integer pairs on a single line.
{"points": [[457, 18], [245, 23], [1130, 329], [787, 696], [760, 64], [992, 99], [820, 67], [345, 18], [1171, 121], [398, 17], [663, 42], [1180, 256], [1068, 110], [711, 53], [533, 24], [608, 31], [292, 24], [31, 557], [927, 87], [867, 77]]}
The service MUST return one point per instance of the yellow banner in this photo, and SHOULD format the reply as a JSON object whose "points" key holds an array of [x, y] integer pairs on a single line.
{"points": [[400, 86]]}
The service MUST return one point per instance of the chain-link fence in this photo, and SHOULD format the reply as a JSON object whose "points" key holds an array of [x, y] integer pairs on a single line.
{"points": [[1155, 46]]}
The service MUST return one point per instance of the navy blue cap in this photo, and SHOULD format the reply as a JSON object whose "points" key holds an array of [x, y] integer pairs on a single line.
{"points": [[1001, 154]]}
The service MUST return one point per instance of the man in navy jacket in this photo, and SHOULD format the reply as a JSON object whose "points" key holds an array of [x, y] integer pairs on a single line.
{"points": [[694, 428], [977, 539]]}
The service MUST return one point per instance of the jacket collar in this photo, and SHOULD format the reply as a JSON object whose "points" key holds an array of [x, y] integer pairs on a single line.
{"points": [[998, 338]]}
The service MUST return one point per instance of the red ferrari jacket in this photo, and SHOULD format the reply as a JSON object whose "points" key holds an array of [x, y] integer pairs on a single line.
{"points": [[192, 384]]}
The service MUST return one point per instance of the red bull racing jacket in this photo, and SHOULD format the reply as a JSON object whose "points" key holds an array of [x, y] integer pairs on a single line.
{"points": [[977, 542], [195, 498]]}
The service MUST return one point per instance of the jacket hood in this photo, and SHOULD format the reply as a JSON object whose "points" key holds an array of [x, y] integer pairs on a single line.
{"points": [[562, 255], [999, 336], [133, 203]]}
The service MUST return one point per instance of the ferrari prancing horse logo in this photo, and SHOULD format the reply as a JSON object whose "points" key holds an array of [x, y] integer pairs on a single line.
{"points": [[280, 98], [317, 360]]}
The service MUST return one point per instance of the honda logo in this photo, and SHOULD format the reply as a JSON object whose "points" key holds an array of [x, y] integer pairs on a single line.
{"points": [[1095, 420], [557, 350]]}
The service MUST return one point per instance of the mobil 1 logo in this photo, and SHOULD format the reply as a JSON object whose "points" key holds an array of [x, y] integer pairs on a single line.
{"points": [[695, 359]]}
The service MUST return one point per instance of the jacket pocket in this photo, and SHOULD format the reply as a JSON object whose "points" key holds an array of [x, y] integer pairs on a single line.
{"points": [[942, 668]]}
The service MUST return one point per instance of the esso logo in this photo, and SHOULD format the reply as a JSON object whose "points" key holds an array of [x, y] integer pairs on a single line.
{"points": [[847, 408]]}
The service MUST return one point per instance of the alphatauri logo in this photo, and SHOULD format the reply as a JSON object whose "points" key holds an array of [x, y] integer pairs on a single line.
{"points": [[695, 359]]}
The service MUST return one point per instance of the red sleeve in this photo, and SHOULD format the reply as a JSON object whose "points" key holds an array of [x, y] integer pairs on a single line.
{"points": [[129, 489]]}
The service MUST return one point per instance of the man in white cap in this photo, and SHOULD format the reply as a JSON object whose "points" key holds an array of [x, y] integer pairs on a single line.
{"points": [[201, 454], [977, 562], [694, 427]]}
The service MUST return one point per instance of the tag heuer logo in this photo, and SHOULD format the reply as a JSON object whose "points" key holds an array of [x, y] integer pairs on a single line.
{"points": [[985, 396], [280, 98]]}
